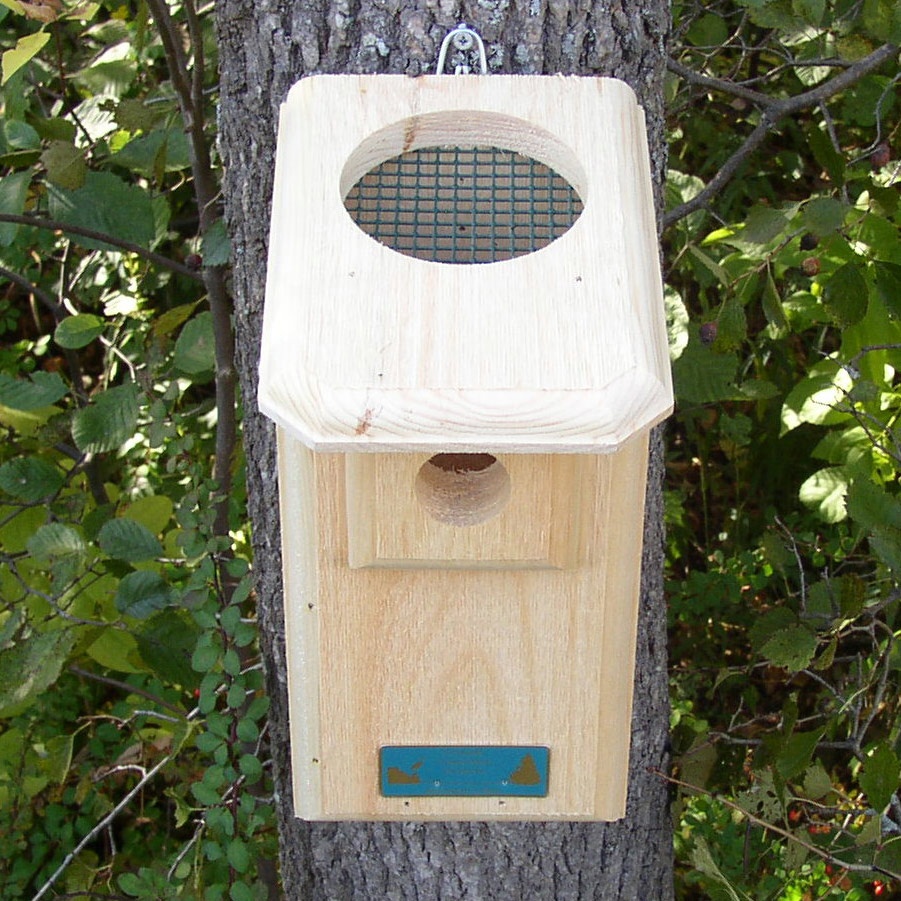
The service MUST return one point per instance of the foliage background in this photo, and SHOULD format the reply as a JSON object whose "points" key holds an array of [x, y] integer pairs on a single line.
{"points": [[133, 755]]}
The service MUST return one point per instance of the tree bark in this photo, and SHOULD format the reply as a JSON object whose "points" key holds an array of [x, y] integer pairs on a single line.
{"points": [[265, 46]]}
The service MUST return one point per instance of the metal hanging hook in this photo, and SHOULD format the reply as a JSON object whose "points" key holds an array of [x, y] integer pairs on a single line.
{"points": [[463, 38]]}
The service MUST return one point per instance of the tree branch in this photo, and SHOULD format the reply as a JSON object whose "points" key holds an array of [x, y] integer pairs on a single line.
{"points": [[151, 256], [773, 112], [785, 833], [190, 98]]}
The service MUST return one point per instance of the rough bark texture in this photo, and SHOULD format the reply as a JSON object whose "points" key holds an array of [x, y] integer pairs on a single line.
{"points": [[265, 46]]}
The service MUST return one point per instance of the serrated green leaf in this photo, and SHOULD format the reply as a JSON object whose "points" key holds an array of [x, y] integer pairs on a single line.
{"points": [[172, 319], [704, 376], [762, 225], [13, 194], [30, 479], [166, 642], [238, 855], [881, 776], [732, 324], [162, 150], [823, 215], [825, 154], [136, 115], [108, 422], [702, 860], [142, 593], [825, 492], [846, 295], [75, 332], [792, 648], [796, 752], [771, 302], [768, 625], [873, 506], [205, 795], [25, 50], [55, 540], [888, 286], [106, 204], [153, 511], [66, 165], [41, 389], [195, 350], [31, 666], [216, 247], [116, 650], [817, 783], [128, 540]]}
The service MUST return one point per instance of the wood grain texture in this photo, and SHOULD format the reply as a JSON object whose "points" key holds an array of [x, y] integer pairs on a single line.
{"points": [[560, 350], [538, 528], [473, 656], [265, 46]]}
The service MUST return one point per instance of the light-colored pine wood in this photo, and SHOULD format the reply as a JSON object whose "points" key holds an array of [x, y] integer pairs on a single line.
{"points": [[436, 600], [393, 656], [389, 527], [561, 350]]}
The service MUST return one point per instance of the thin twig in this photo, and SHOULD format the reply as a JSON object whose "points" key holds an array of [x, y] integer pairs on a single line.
{"points": [[151, 256], [130, 689], [773, 112], [785, 833], [99, 827]]}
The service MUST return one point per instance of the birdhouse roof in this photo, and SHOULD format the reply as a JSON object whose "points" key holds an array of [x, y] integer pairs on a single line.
{"points": [[562, 349]]}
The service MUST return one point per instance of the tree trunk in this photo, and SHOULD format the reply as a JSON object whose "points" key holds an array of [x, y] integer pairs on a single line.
{"points": [[265, 46]]}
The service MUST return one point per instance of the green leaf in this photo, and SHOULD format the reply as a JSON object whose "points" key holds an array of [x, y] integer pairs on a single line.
{"points": [[238, 855], [128, 540], [13, 194], [880, 777], [65, 164], [30, 479], [106, 204], [142, 593], [732, 324], [768, 625], [153, 511], [823, 215], [41, 389], [825, 492], [55, 540], [216, 247], [241, 891], [771, 302], [115, 649], [195, 350], [26, 49], [846, 295], [872, 506], [792, 647], [796, 753], [825, 155], [762, 225], [31, 666], [888, 286], [166, 642], [704, 376], [109, 421], [163, 149], [78, 331]]}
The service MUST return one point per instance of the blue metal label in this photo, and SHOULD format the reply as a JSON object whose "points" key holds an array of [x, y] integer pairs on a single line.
{"points": [[464, 770]]}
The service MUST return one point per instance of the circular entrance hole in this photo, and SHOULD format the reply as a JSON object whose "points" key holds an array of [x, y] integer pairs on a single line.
{"points": [[462, 489]]}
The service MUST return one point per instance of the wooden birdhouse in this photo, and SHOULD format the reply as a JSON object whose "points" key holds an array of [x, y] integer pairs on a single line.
{"points": [[464, 350]]}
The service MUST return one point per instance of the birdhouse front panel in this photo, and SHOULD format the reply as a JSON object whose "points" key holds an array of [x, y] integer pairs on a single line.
{"points": [[464, 350], [417, 654]]}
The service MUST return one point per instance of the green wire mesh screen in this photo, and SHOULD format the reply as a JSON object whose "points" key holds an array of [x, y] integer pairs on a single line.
{"points": [[463, 205]]}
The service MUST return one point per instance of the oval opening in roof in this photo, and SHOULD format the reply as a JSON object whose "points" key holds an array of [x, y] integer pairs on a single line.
{"points": [[463, 204]]}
